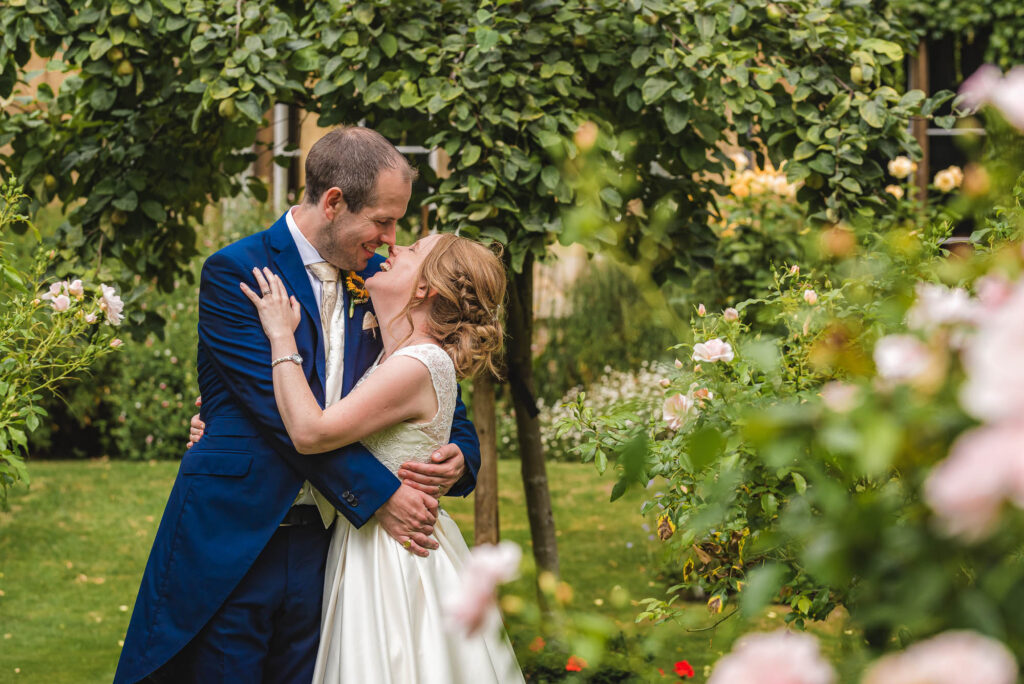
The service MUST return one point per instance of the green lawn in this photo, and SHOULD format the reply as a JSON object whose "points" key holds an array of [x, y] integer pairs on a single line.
{"points": [[73, 547]]}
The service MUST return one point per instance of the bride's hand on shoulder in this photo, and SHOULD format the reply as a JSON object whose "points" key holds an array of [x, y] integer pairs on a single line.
{"points": [[279, 313]]}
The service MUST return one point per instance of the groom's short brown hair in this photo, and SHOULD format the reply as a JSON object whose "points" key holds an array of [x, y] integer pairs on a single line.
{"points": [[351, 158]]}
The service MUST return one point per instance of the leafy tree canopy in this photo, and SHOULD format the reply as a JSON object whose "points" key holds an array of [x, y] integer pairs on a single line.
{"points": [[163, 101]]}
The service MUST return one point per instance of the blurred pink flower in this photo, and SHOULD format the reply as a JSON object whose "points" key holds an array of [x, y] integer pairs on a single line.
{"points": [[111, 304], [902, 358], [993, 363], [984, 469], [993, 290], [810, 296], [794, 270], [55, 290], [469, 606], [731, 314], [949, 658], [987, 85], [90, 318], [60, 303], [840, 397], [675, 410], [713, 351], [701, 311], [779, 657], [665, 382], [938, 305], [75, 289], [116, 342]]}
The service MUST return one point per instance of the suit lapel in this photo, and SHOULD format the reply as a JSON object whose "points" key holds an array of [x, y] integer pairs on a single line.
{"points": [[288, 265]]}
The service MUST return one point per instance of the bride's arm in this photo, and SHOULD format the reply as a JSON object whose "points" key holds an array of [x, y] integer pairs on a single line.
{"points": [[393, 394]]}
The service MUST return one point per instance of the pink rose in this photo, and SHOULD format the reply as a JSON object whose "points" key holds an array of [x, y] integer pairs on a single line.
{"points": [[993, 363], [75, 289], [90, 318], [111, 304], [839, 397], [701, 311], [811, 297], [779, 657], [471, 605], [731, 314], [949, 658], [116, 342], [675, 410], [984, 469], [678, 363], [60, 303], [794, 270], [56, 289], [713, 351], [1006, 93]]}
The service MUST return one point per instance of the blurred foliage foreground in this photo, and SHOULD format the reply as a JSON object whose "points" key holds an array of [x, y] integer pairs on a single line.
{"points": [[851, 435]]}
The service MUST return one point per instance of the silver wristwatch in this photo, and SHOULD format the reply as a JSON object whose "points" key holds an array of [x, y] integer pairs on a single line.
{"points": [[291, 357]]}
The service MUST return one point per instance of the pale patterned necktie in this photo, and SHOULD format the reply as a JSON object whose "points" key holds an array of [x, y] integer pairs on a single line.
{"points": [[328, 276]]}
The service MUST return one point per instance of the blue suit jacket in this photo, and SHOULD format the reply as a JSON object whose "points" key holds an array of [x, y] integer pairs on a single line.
{"points": [[236, 484]]}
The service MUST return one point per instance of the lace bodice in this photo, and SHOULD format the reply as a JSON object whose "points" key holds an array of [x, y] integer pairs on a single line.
{"points": [[403, 442]]}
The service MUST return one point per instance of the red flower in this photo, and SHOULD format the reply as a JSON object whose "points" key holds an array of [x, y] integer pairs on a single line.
{"points": [[661, 672], [537, 644], [575, 664], [683, 669]]}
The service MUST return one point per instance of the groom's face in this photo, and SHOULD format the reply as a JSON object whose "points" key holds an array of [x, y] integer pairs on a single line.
{"points": [[351, 238]]}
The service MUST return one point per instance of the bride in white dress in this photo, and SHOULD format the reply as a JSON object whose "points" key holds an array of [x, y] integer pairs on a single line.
{"points": [[383, 619]]}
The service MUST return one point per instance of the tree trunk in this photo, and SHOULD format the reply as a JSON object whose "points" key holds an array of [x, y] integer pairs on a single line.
{"points": [[485, 497], [531, 452]]}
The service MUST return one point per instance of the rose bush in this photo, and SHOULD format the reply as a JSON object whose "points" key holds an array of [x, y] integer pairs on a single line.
{"points": [[859, 443], [47, 339]]}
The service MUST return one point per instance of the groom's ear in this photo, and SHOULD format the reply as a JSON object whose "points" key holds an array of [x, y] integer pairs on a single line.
{"points": [[332, 203]]}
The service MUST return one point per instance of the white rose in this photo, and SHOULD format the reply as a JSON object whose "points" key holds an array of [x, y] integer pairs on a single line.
{"points": [[111, 304], [902, 358], [938, 305], [75, 289], [811, 297], [713, 351], [731, 314]]}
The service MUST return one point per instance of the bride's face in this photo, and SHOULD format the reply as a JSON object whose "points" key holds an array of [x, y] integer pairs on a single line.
{"points": [[399, 274]]}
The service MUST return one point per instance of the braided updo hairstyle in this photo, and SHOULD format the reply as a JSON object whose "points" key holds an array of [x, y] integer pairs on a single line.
{"points": [[467, 281]]}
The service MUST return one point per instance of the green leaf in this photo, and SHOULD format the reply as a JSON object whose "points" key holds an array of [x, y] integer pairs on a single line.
{"points": [[250, 107], [762, 586], [102, 99], [804, 150], [99, 48], [799, 483], [612, 197], [363, 13], [704, 447], [154, 210], [486, 38], [851, 184], [706, 25], [550, 177], [470, 155], [883, 47], [654, 88], [388, 45], [127, 202], [676, 117], [872, 113]]}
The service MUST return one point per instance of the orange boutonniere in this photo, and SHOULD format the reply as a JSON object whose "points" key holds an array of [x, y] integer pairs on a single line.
{"points": [[356, 288]]}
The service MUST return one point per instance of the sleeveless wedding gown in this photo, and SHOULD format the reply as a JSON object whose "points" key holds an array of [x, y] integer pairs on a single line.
{"points": [[382, 611]]}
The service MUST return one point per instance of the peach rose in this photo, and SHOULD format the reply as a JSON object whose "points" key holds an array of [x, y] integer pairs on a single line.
{"points": [[713, 351]]}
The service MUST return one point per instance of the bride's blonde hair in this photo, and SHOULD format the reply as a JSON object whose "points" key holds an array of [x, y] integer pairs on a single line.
{"points": [[466, 286]]}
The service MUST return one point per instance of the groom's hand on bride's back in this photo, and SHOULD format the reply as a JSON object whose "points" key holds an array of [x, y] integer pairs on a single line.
{"points": [[409, 517], [195, 427]]}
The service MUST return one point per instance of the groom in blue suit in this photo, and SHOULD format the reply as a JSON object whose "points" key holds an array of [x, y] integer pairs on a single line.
{"points": [[233, 585]]}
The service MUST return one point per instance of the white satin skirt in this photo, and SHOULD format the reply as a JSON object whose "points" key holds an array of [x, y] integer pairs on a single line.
{"points": [[382, 614]]}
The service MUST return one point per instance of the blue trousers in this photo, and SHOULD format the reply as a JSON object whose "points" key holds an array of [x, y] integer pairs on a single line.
{"points": [[268, 630]]}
